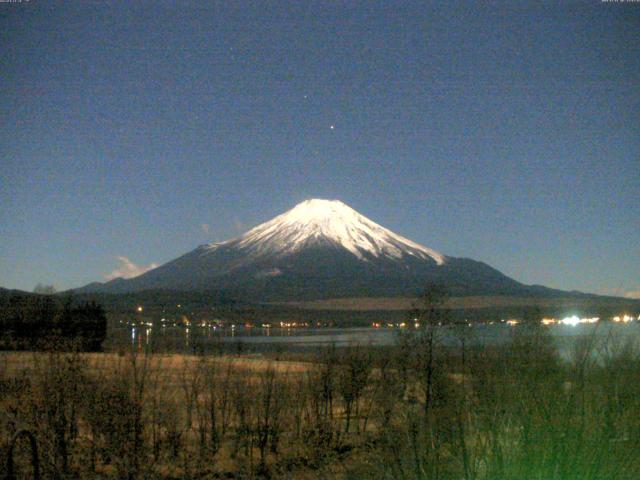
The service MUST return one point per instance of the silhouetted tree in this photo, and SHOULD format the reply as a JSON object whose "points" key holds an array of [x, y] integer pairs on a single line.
{"points": [[44, 289], [28, 322]]}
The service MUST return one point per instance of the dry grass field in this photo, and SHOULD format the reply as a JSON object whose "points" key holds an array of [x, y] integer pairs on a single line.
{"points": [[412, 411], [11, 363]]}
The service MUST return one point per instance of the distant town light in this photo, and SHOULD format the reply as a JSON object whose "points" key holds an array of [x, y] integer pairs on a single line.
{"points": [[623, 319], [139, 309], [573, 321], [590, 320]]}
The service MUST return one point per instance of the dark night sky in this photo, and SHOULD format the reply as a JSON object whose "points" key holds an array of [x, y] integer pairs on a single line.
{"points": [[504, 132]]}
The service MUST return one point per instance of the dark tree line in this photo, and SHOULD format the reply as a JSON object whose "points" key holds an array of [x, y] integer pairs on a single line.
{"points": [[46, 322]]}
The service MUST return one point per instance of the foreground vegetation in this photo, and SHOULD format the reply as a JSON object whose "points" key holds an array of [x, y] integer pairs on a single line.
{"points": [[414, 411], [30, 321]]}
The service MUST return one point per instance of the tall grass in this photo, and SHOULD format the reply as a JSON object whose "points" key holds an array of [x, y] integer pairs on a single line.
{"points": [[413, 411]]}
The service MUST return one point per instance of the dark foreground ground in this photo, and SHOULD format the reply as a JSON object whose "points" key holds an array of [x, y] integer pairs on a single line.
{"points": [[414, 410]]}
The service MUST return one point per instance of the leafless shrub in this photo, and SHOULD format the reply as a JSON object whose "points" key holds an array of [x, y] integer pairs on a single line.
{"points": [[352, 378], [417, 410], [54, 407]]}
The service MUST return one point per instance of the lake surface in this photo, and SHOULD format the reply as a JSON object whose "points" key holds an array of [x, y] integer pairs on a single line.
{"points": [[205, 339]]}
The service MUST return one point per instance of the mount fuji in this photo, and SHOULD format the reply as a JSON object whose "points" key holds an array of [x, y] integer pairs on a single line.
{"points": [[319, 249]]}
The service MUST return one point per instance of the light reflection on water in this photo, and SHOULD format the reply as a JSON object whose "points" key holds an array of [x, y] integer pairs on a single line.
{"points": [[177, 339]]}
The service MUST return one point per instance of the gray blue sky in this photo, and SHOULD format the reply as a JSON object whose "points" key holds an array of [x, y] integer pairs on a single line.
{"points": [[507, 132]]}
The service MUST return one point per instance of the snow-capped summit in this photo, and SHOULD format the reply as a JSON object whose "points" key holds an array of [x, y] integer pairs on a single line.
{"points": [[318, 221], [318, 249]]}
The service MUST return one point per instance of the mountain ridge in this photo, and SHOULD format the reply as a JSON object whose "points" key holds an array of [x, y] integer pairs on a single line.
{"points": [[320, 249]]}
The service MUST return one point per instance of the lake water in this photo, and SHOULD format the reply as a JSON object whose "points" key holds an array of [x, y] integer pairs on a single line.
{"points": [[199, 339]]}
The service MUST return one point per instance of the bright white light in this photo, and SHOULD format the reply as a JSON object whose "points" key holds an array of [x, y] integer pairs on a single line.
{"points": [[573, 321]]}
